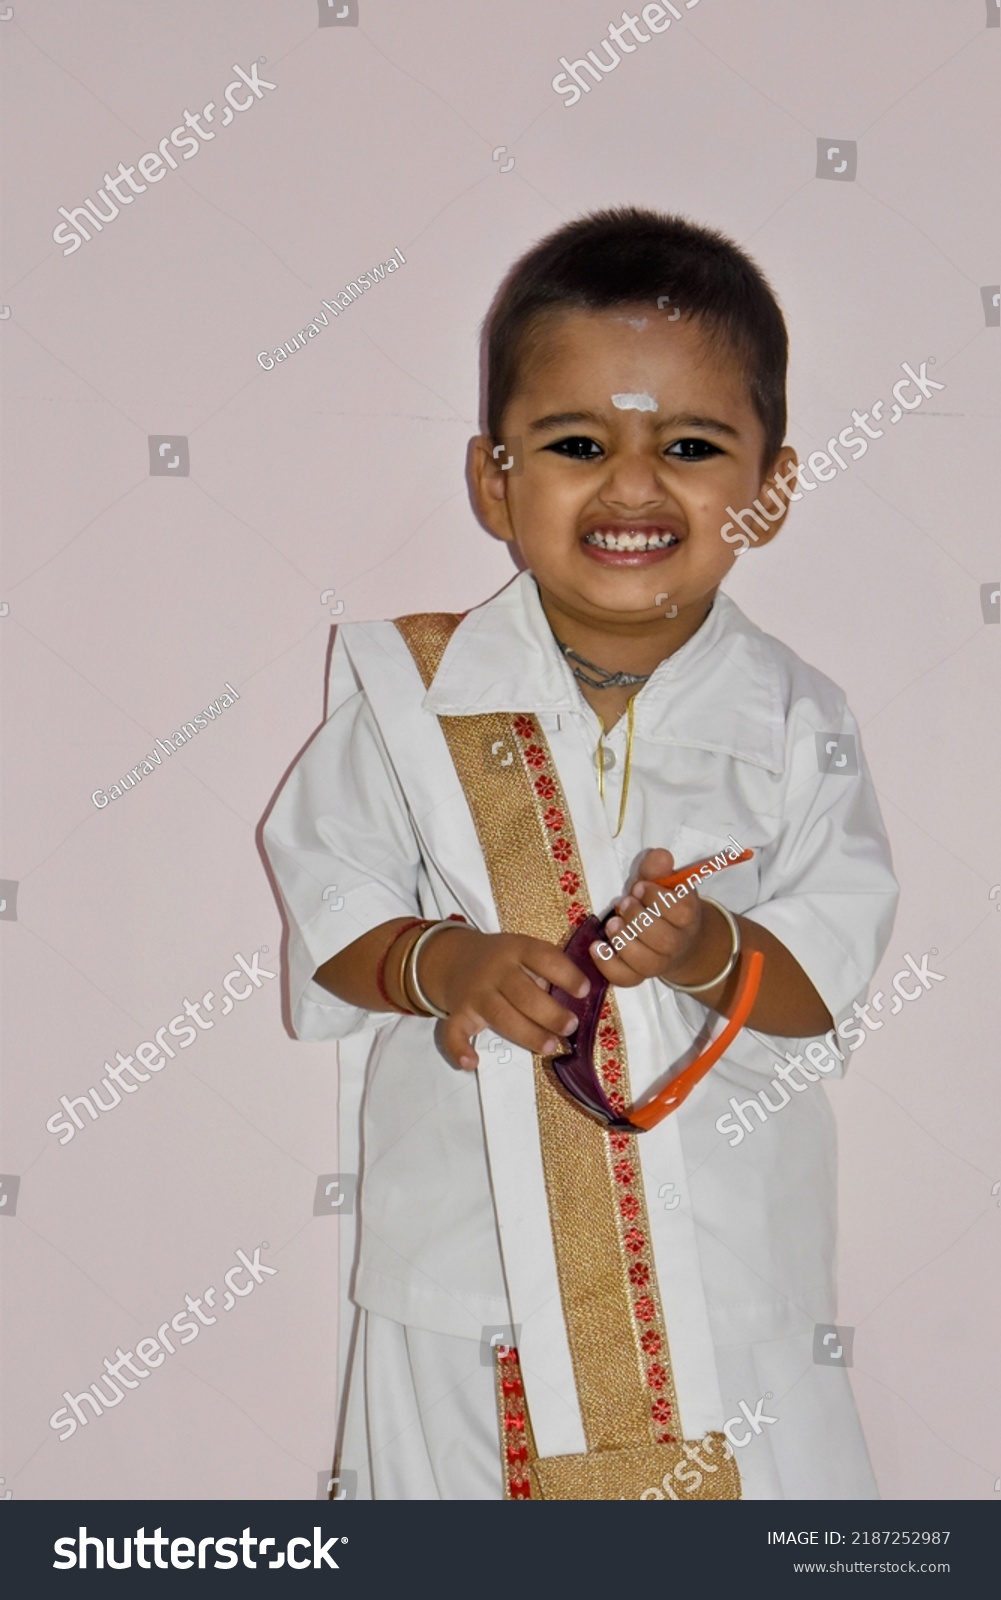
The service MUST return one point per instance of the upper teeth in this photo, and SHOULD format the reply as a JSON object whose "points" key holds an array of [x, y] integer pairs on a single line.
{"points": [[606, 540]]}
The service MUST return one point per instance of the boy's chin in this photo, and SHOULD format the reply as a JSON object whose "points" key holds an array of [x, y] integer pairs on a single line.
{"points": [[605, 601]]}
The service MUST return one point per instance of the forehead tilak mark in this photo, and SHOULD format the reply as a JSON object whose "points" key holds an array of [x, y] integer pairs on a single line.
{"points": [[634, 402]]}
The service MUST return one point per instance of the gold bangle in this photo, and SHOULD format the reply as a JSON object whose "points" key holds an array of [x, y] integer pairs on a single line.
{"points": [[380, 971], [417, 1006], [734, 957]]}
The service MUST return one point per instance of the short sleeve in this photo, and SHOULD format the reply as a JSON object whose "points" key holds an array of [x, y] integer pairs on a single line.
{"points": [[827, 887], [343, 851]]}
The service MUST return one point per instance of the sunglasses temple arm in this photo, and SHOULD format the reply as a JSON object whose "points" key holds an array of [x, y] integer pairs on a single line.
{"points": [[678, 878], [669, 1099]]}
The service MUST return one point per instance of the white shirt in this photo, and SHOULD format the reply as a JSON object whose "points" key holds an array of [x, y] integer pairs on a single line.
{"points": [[724, 744]]}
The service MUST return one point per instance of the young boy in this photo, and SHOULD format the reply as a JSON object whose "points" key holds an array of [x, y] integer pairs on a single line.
{"points": [[550, 1307]]}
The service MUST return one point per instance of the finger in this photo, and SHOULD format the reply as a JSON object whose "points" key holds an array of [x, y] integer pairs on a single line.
{"points": [[648, 927], [644, 958], [645, 896], [552, 964], [654, 935], [616, 970], [459, 1030], [680, 911], [512, 1024], [650, 893], [521, 990]]}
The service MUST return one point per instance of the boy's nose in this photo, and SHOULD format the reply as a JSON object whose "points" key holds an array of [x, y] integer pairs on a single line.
{"points": [[634, 485], [636, 499]]}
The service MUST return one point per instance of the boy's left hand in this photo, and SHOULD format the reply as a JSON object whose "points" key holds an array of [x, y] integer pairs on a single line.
{"points": [[686, 943]]}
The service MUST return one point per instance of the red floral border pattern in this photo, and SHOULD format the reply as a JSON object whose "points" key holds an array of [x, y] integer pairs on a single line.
{"points": [[515, 1443], [623, 1152]]}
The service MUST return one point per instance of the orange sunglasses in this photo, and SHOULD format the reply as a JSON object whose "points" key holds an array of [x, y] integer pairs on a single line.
{"points": [[575, 1069]]}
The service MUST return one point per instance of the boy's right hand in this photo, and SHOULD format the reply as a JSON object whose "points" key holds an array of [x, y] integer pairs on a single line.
{"points": [[499, 981]]}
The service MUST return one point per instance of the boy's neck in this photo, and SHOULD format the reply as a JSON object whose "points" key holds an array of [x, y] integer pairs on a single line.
{"points": [[625, 648]]}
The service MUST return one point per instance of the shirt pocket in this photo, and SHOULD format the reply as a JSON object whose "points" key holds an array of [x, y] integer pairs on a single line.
{"points": [[736, 887]]}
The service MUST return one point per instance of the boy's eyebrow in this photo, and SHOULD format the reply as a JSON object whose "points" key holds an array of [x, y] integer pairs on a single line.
{"points": [[565, 419], [687, 419], [681, 419]]}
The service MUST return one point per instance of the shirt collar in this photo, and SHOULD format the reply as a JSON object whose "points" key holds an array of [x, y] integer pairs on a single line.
{"points": [[720, 692]]}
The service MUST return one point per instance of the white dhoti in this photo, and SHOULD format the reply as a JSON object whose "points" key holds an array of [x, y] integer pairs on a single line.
{"points": [[421, 1421]]}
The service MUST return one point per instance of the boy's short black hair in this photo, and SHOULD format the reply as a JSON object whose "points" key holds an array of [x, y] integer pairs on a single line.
{"points": [[629, 255]]}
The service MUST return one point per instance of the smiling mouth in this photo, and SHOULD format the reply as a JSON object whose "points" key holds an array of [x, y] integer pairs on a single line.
{"points": [[630, 541]]}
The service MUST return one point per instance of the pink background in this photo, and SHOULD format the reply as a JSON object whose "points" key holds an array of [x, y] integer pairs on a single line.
{"points": [[132, 599]]}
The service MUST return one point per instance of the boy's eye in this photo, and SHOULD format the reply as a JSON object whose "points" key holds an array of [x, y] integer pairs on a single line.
{"points": [[693, 449], [577, 447]]}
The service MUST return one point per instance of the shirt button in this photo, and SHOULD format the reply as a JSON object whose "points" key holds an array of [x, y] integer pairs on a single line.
{"points": [[605, 757]]}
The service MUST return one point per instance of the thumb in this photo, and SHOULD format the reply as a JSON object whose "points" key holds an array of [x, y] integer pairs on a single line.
{"points": [[656, 863], [455, 1039]]}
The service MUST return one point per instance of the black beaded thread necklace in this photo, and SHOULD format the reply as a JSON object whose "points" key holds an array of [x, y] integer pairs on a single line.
{"points": [[605, 680]]}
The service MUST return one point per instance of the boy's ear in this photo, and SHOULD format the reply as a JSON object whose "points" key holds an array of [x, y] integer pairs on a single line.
{"points": [[485, 463], [774, 496]]}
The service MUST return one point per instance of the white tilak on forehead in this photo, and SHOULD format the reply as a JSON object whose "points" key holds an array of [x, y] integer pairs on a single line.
{"points": [[634, 402]]}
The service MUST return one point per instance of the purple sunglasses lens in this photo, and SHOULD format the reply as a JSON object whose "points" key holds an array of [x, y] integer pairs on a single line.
{"points": [[575, 1070]]}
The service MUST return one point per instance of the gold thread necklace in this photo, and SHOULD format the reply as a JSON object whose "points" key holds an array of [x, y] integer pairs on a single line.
{"points": [[600, 759], [608, 680]]}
